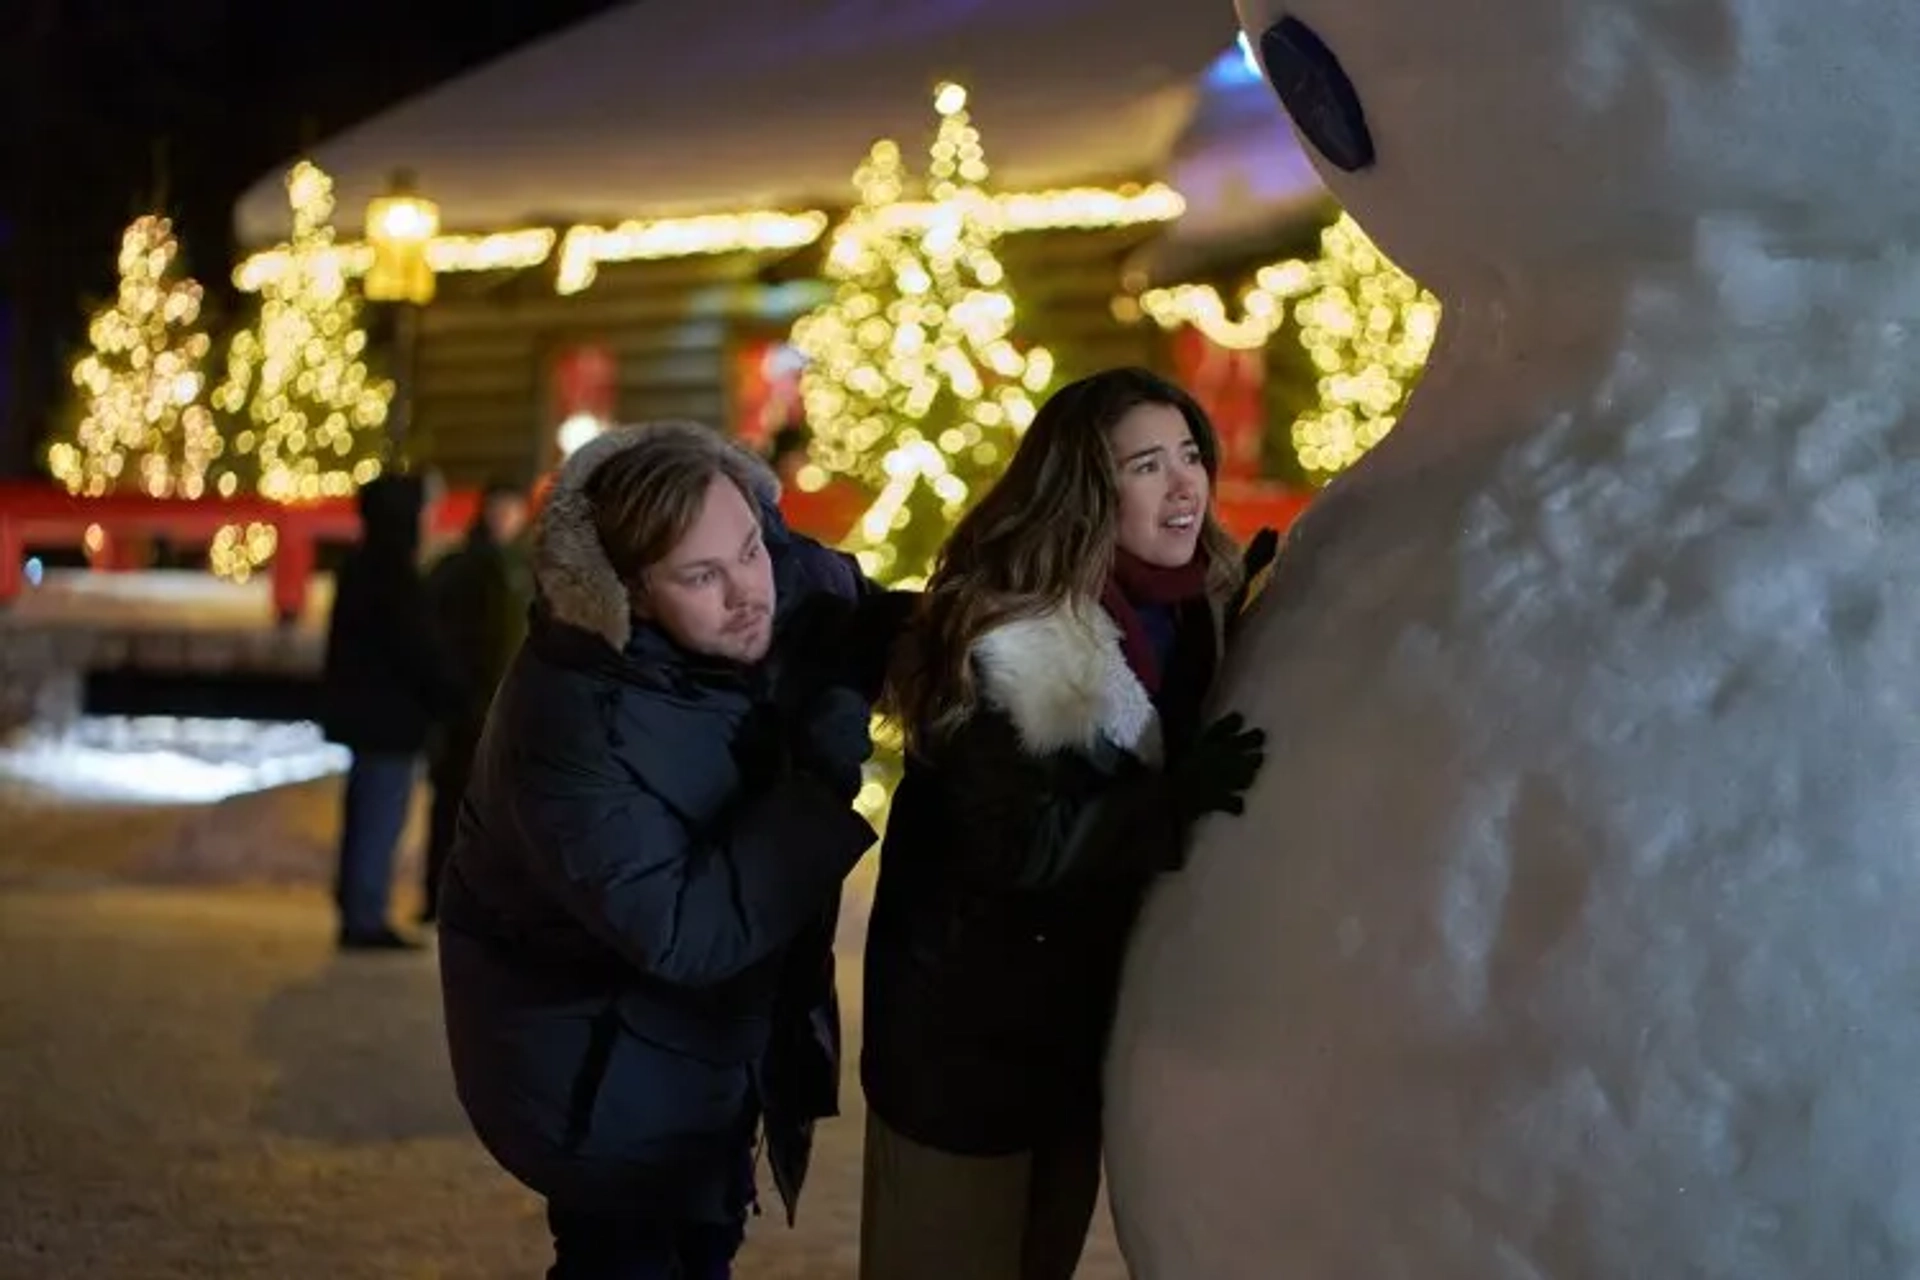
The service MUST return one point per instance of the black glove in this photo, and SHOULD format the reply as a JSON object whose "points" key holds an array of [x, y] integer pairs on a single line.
{"points": [[1260, 553], [831, 738], [1212, 774]]}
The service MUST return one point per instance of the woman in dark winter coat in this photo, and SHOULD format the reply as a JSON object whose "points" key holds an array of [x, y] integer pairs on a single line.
{"points": [[1051, 688], [637, 921]]}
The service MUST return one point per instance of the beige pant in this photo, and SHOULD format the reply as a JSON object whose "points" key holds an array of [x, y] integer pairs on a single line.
{"points": [[928, 1215]]}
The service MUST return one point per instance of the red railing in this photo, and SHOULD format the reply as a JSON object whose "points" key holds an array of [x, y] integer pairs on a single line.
{"points": [[108, 528]]}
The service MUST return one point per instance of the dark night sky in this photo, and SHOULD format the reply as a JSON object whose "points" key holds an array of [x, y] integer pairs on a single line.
{"points": [[102, 99]]}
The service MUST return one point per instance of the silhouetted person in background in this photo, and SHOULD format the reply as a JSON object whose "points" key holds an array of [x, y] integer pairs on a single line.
{"points": [[478, 593], [787, 452], [382, 689]]}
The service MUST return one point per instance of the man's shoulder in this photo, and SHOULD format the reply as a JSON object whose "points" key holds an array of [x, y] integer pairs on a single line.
{"points": [[578, 730], [814, 568], [549, 691], [541, 696]]}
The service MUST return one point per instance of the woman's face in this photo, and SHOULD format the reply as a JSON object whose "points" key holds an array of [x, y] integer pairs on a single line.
{"points": [[1163, 485]]}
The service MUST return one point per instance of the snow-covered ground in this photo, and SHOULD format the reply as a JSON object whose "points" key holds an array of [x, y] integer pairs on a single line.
{"points": [[159, 599], [108, 760], [194, 1084]]}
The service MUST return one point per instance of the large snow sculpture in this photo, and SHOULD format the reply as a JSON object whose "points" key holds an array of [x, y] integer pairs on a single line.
{"points": [[1573, 929]]}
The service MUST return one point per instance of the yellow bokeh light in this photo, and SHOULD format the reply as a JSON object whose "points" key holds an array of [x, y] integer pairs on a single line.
{"points": [[1370, 329], [1367, 329], [585, 247], [306, 415], [914, 389], [137, 420]]}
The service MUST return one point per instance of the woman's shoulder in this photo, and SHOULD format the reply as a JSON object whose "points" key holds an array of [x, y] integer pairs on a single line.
{"points": [[1061, 682]]}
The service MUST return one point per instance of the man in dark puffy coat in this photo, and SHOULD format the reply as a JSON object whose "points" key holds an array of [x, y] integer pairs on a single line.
{"points": [[637, 923], [382, 688]]}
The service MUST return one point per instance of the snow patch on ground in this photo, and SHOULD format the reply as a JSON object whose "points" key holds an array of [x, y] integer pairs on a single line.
{"points": [[164, 760]]}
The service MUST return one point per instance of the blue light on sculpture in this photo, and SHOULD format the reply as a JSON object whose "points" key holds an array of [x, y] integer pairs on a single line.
{"points": [[1236, 68]]}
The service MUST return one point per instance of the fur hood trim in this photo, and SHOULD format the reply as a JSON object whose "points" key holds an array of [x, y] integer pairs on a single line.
{"points": [[1063, 680], [569, 565]]}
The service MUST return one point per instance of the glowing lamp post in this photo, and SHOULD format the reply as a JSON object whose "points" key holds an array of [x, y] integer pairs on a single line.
{"points": [[400, 225]]}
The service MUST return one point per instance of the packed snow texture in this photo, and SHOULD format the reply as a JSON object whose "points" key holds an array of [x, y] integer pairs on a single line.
{"points": [[1570, 929]]}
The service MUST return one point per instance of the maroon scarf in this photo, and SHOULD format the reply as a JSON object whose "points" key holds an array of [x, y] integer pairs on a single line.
{"points": [[1134, 582]]}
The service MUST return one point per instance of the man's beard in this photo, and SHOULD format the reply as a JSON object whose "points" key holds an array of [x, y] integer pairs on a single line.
{"points": [[748, 640]]}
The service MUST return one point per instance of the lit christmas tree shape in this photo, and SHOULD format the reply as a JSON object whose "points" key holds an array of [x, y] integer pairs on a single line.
{"points": [[139, 422], [915, 389], [305, 413], [1368, 327]]}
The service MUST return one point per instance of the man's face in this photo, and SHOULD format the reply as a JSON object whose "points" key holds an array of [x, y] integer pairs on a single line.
{"points": [[713, 593]]}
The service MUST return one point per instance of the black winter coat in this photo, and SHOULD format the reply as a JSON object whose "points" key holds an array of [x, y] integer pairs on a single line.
{"points": [[383, 684], [1015, 861], [638, 917]]}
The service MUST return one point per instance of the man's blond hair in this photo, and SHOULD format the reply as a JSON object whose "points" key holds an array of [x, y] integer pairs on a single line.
{"points": [[647, 496]]}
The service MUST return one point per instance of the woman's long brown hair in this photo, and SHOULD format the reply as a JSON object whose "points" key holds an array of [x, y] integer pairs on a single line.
{"points": [[1040, 539]]}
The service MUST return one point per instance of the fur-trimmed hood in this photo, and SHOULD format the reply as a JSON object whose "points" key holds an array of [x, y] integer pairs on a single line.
{"points": [[1064, 682], [571, 569]]}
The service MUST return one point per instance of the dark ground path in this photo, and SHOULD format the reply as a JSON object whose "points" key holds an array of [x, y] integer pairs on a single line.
{"points": [[193, 1084]]}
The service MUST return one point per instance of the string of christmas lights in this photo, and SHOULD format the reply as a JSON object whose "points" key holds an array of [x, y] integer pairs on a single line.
{"points": [[585, 247], [1367, 326], [305, 411], [139, 420], [914, 388]]}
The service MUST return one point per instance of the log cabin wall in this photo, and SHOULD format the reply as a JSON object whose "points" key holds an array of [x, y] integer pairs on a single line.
{"points": [[482, 405], [483, 401]]}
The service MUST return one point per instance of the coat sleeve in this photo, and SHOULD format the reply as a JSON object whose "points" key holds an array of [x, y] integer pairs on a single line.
{"points": [[1028, 824], [835, 641], [868, 618], [689, 908]]}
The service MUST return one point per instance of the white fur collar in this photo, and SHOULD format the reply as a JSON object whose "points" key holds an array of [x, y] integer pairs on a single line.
{"points": [[1063, 680], [570, 566]]}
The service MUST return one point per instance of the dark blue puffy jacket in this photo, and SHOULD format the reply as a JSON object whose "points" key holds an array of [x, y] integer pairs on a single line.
{"points": [[637, 921]]}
